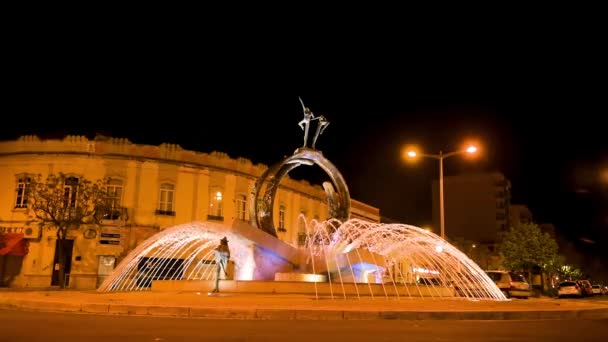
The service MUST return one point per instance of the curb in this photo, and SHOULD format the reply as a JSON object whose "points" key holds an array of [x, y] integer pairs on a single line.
{"points": [[295, 314]]}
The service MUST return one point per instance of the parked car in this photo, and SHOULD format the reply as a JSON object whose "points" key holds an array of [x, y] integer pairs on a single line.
{"points": [[596, 289], [569, 288], [512, 284], [604, 290], [586, 286]]}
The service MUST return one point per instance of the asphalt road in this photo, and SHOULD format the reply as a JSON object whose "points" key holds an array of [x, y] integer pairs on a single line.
{"points": [[16, 326]]}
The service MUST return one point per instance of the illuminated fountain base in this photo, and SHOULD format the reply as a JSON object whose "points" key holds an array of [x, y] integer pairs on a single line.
{"points": [[302, 287], [307, 277], [337, 259]]}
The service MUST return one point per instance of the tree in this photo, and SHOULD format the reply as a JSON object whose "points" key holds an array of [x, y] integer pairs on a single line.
{"points": [[567, 272], [65, 202], [525, 247]]}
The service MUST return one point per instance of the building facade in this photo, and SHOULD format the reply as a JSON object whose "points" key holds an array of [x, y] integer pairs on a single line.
{"points": [[151, 188], [476, 206], [477, 210]]}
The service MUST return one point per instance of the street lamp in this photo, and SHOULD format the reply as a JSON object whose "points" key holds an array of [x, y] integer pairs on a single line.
{"points": [[471, 149]]}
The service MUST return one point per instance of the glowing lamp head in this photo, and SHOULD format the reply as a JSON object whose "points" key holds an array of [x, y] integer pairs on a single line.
{"points": [[471, 149], [412, 154]]}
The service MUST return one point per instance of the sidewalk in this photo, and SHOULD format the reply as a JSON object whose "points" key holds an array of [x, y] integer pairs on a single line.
{"points": [[299, 307]]}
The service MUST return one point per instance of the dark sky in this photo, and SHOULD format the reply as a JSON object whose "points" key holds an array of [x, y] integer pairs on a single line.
{"points": [[540, 118]]}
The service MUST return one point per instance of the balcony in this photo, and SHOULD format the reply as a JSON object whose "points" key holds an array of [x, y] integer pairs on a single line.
{"points": [[164, 212], [115, 213]]}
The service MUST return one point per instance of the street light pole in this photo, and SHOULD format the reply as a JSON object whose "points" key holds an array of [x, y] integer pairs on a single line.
{"points": [[441, 212], [441, 156]]}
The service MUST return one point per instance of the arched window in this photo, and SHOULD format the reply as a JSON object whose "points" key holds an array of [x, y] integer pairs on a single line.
{"points": [[302, 222]]}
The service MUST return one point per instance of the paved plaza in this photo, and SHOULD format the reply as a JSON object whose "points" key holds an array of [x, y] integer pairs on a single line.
{"points": [[298, 307]]}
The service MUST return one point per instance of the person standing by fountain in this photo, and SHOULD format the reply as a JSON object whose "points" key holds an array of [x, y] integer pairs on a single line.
{"points": [[222, 255]]}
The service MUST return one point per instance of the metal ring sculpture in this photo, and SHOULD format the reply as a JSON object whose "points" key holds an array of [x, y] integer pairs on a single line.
{"points": [[260, 212]]}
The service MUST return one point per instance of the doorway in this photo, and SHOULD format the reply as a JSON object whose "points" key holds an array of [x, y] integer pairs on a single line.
{"points": [[68, 246]]}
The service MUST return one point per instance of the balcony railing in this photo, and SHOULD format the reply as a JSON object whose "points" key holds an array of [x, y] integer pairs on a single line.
{"points": [[165, 212], [115, 214]]}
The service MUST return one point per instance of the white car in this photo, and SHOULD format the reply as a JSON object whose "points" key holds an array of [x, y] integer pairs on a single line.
{"points": [[569, 288], [596, 289]]}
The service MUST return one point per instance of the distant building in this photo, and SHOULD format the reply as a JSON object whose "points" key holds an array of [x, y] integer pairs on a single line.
{"points": [[518, 214], [476, 206]]}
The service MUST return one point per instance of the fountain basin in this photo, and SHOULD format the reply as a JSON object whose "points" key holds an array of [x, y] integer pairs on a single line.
{"points": [[304, 288]]}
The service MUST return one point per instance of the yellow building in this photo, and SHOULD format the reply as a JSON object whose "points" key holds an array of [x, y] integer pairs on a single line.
{"points": [[153, 187]]}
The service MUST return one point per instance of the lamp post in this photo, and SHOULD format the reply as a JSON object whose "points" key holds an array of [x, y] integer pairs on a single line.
{"points": [[441, 156]]}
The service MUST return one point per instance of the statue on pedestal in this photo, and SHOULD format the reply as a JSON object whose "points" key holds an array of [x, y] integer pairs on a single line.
{"points": [[321, 126], [305, 122], [305, 125], [222, 256]]}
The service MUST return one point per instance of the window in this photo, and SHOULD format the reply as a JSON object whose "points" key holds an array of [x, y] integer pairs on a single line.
{"points": [[517, 277], [23, 184], [70, 192], [216, 208], [302, 222], [301, 239], [282, 218], [241, 205], [114, 190], [495, 276], [166, 199]]}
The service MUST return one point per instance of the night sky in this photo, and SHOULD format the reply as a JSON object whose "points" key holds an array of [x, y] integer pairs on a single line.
{"points": [[539, 127]]}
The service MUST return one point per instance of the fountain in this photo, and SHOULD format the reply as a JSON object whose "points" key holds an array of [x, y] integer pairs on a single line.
{"points": [[340, 257]]}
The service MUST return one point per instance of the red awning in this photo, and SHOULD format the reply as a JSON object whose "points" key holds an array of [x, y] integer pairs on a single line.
{"points": [[13, 244]]}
